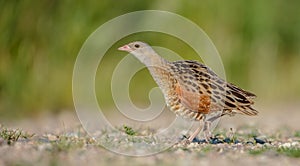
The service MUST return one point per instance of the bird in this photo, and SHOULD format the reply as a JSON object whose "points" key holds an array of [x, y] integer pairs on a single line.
{"points": [[192, 90]]}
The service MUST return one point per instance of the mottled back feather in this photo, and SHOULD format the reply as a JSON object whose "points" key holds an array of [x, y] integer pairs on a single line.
{"points": [[201, 90]]}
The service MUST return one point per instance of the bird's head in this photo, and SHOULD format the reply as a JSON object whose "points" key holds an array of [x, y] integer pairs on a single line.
{"points": [[136, 46], [140, 50]]}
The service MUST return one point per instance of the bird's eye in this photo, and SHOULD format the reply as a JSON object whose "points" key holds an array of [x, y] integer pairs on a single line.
{"points": [[136, 45]]}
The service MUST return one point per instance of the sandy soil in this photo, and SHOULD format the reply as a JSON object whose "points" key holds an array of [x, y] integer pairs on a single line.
{"points": [[282, 119]]}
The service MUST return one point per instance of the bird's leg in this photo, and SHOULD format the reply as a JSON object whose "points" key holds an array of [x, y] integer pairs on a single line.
{"points": [[206, 131], [207, 124], [196, 132]]}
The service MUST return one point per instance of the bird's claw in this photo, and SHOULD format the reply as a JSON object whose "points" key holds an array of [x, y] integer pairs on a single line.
{"points": [[208, 136], [186, 142]]}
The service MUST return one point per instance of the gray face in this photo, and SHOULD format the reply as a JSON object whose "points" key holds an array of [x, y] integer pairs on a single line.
{"points": [[136, 46], [140, 50]]}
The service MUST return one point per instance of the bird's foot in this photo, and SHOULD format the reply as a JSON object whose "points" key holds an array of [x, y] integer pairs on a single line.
{"points": [[185, 142], [208, 136]]}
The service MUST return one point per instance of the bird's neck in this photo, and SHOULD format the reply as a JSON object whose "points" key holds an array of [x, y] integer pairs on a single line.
{"points": [[152, 59]]}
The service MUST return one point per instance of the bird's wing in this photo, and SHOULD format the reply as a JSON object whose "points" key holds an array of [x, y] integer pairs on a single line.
{"points": [[191, 100], [240, 100], [201, 90]]}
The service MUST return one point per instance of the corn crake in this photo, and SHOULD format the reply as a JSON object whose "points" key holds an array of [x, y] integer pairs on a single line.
{"points": [[192, 90]]}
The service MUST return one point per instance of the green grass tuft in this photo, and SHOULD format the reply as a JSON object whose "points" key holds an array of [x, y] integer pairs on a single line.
{"points": [[297, 133], [13, 135], [257, 151], [129, 130], [291, 152]]}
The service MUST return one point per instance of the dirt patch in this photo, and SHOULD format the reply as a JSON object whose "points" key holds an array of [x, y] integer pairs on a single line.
{"points": [[272, 138]]}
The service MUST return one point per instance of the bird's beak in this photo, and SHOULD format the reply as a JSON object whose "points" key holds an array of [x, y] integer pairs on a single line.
{"points": [[124, 48]]}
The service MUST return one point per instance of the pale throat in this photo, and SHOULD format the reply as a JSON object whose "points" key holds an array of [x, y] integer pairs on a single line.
{"points": [[151, 58]]}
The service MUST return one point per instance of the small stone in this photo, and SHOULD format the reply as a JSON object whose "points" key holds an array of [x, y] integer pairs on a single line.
{"points": [[52, 137], [216, 141], [236, 141], [259, 141], [183, 137], [227, 140], [249, 142], [295, 143], [220, 150], [201, 141], [285, 145], [196, 140]]}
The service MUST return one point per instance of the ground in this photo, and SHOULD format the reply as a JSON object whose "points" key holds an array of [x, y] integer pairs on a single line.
{"points": [[272, 138]]}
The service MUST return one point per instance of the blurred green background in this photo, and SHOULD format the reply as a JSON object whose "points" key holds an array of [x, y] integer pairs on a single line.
{"points": [[259, 42]]}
